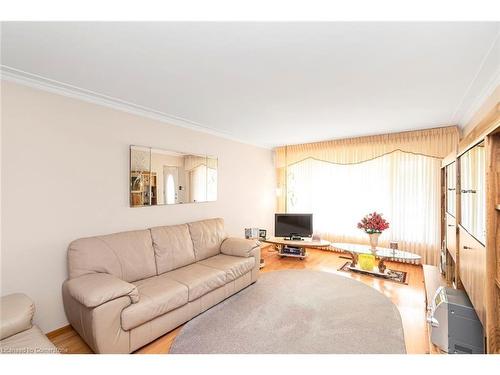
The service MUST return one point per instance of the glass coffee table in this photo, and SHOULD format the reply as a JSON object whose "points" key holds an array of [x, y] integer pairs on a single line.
{"points": [[382, 253]]}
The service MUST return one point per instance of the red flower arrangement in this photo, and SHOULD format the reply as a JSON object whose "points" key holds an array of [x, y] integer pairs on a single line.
{"points": [[373, 223]]}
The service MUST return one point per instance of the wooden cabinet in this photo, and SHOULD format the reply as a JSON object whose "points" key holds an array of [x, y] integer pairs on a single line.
{"points": [[492, 284], [473, 226], [449, 212], [450, 209], [473, 271], [473, 255]]}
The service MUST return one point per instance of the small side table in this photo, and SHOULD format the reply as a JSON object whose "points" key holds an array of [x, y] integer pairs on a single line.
{"points": [[264, 246]]}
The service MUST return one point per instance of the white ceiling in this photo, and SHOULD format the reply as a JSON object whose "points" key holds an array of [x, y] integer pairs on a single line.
{"points": [[268, 83]]}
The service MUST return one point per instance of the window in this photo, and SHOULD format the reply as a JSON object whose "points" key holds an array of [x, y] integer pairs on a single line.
{"points": [[403, 186]]}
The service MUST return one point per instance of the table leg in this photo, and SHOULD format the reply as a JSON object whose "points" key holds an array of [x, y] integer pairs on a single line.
{"points": [[381, 265], [354, 259], [279, 247]]}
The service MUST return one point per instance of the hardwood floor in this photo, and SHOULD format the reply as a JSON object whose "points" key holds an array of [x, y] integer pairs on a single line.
{"points": [[410, 300]]}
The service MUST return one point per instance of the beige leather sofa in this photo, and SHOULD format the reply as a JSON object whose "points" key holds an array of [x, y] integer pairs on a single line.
{"points": [[126, 289], [18, 335]]}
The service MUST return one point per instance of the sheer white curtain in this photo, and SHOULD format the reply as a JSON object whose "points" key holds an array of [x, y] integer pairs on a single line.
{"points": [[203, 184], [405, 187], [198, 185], [211, 184]]}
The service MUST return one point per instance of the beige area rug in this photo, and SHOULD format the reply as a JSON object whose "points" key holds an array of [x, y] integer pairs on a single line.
{"points": [[297, 311]]}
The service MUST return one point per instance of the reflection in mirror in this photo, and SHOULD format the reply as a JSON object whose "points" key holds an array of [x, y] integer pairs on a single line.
{"points": [[169, 167], [197, 175], [140, 177], [211, 179], [451, 185], [173, 177], [472, 192]]}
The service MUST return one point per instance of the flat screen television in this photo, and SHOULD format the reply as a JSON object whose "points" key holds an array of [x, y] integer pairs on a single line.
{"points": [[293, 225]]}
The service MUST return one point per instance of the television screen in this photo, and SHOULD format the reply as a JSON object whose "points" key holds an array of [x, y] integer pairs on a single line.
{"points": [[286, 225]]}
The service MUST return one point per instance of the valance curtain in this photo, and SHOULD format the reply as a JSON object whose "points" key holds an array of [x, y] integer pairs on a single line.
{"points": [[437, 143], [340, 181], [192, 161]]}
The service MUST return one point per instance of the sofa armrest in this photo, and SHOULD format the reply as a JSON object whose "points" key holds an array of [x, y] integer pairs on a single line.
{"points": [[16, 314], [239, 247], [94, 289]]}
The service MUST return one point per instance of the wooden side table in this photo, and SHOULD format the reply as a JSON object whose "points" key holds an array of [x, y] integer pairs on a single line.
{"points": [[264, 246]]}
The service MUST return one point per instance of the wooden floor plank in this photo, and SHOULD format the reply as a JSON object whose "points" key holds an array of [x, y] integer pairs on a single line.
{"points": [[410, 300]]}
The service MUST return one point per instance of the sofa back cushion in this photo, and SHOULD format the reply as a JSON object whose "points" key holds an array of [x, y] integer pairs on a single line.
{"points": [[173, 247], [207, 236], [127, 255]]}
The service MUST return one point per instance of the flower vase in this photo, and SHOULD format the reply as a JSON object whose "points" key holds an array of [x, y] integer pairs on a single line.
{"points": [[373, 241]]}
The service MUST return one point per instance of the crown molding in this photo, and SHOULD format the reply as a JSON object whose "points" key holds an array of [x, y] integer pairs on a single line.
{"points": [[42, 83], [481, 98], [462, 114]]}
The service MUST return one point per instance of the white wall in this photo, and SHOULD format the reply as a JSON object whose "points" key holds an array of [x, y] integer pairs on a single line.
{"points": [[65, 175]]}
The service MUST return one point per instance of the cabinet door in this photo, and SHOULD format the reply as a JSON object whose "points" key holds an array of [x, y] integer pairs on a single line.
{"points": [[473, 271], [451, 236]]}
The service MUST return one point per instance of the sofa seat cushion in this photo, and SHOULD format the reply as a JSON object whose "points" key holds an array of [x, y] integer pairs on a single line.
{"points": [[157, 296], [234, 267], [199, 279], [30, 341]]}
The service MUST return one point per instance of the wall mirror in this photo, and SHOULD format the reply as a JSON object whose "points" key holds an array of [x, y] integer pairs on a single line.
{"points": [[472, 192], [159, 177]]}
